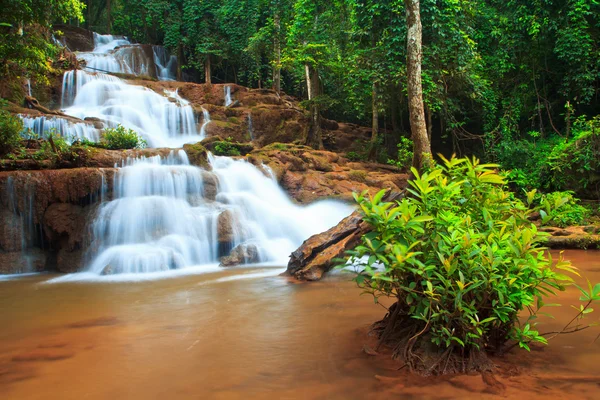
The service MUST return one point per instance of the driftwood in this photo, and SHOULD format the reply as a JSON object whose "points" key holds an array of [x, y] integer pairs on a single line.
{"points": [[315, 256], [33, 103]]}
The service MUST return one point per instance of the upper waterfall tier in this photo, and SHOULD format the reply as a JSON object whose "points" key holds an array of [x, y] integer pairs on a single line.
{"points": [[117, 54], [167, 214], [163, 121]]}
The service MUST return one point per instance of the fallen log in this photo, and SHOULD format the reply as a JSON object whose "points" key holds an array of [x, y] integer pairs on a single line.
{"points": [[315, 256]]}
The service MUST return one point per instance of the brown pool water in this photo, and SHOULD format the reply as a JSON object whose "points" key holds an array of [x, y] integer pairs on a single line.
{"points": [[215, 336]]}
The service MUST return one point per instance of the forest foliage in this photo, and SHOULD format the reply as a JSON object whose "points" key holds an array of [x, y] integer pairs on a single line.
{"points": [[516, 83]]}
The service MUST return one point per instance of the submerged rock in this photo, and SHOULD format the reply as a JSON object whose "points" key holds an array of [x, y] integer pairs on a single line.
{"points": [[241, 254], [573, 237]]}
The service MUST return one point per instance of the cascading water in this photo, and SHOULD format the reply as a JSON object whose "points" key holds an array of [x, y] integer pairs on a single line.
{"points": [[21, 219], [205, 121], [167, 214], [228, 100], [163, 121], [71, 131], [250, 128], [166, 64], [117, 54]]}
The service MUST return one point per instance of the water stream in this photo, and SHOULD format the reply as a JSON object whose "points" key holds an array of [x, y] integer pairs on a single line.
{"points": [[240, 334]]}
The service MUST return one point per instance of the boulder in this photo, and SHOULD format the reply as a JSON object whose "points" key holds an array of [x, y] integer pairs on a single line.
{"points": [[241, 254], [197, 154], [228, 227], [75, 38], [573, 237]]}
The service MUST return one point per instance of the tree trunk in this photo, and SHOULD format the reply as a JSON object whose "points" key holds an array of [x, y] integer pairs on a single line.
{"points": [[277, 50], [314, 137], [88, 18], [108, 16], [179, 61], [429, 123], [375, 124], [416, 109], [207, 70]]}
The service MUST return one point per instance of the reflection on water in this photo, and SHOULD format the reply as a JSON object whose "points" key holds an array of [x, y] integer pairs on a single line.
{"points": [[239, 334]]}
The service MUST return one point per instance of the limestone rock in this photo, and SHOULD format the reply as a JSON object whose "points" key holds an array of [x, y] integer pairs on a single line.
{"points": [[16, 262], [241, 254], [11, 228]]}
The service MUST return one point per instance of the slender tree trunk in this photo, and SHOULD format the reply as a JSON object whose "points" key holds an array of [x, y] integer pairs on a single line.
{"points": [[88, 18], [314, 138], [277, 50], [179, 61], [207, 70], [429, 123], [108, 17], [416, 109], [375, 124]]}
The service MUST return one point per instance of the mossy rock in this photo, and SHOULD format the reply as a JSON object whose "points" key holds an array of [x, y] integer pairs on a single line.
{"points": [[197, 154], [227, 148]]}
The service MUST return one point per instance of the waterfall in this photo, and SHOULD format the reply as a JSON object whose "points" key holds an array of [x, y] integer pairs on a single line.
{"points": [[164, 121], [29, 87], [227, 90], [250, 129], [117, 54], [167, 215], [42, 126], [205, 121], [166, 64], [21, 219]]}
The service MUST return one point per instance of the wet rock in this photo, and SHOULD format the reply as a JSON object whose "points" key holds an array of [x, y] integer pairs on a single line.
{"points": [[228, 227], [197, 154], [64, 221], [211, 184], [11, 228], [76, 39], [241, 254], [573, 237], [17, 262], [70, 261]]}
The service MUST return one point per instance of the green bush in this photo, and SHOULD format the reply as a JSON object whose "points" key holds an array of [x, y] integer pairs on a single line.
{"points": [[405, 154], [10, 131], [462, 260], [120, 138], [562, 209], [354, 156], [226, 149], [575, 164]]}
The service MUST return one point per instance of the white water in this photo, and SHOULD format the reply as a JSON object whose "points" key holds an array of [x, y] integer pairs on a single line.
{"points": [[161, 218], [117, 54], [164, 121], [250, 128], [42, 126], [228, 100], [205, 121]]}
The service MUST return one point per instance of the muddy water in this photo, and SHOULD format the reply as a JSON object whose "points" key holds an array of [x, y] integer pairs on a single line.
{"points": [[219, 336]]}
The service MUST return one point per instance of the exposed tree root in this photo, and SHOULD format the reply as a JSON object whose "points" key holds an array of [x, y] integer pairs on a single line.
{"points": [[410, 342]]}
